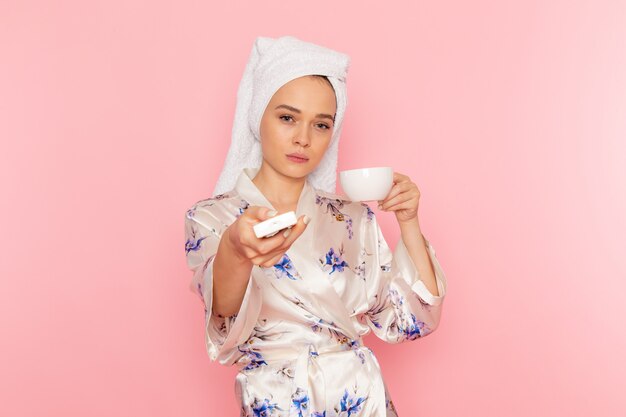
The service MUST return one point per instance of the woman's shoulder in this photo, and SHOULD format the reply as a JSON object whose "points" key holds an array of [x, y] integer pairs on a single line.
{"points": [[207, 203]]}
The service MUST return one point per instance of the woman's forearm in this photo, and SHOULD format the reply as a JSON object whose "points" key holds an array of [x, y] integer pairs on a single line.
{"points": [[416, 246], [231, 274]]}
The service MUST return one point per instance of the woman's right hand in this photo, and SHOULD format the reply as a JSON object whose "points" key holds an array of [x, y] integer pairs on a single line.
{"points": [[266, 251]]}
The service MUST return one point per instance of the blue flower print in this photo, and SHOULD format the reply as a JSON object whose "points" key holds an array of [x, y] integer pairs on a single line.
{"points": [[299, 402], [354, 345], [285, 268], [369, 213], [255, 358], [414, 329], [348, 221], [208, 202], [263, 408], [410, 328], [379, 306], [335, 260], [243, 206], [319, 414], [333, 206], [194, 242], [319, 324], [220, 196], [360, 271], [349, 405]]}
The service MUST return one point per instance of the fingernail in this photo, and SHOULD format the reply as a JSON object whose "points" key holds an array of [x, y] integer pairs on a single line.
{"points": [[272, 213], [287, 232], [307, 219], [380, 206]]}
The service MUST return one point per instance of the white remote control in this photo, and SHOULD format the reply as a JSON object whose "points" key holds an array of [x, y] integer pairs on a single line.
{"points": [[273, 225]]}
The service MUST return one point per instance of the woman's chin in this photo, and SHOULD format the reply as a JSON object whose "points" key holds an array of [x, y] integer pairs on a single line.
{"points": [[297, 171]]}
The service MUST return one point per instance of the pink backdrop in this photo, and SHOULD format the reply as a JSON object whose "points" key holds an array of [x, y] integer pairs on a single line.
{"points": [[115, 117]]}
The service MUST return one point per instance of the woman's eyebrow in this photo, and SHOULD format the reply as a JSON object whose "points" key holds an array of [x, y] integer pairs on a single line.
{"points": [[293, 109]]}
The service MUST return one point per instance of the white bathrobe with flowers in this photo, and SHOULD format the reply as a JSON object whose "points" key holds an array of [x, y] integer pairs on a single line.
{"points": [[297, 338]]}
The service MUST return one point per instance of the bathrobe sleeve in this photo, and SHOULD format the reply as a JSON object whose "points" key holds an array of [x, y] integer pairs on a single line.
{"points": [[400, 306], [223, 335]]}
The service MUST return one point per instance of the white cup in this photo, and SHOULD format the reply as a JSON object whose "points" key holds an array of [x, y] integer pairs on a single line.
{"points": [[367, 184]]}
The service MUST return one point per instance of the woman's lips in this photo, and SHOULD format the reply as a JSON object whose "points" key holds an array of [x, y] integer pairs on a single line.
{"points": [[296, 159]]}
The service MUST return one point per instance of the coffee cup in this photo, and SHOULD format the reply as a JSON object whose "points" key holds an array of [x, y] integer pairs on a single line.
{"points": [[367, 184]]}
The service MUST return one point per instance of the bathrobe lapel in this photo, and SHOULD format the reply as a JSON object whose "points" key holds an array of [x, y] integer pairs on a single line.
{"points": [[311, 284]]}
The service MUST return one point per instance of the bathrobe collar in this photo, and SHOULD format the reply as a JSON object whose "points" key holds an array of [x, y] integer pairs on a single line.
{"points": [[251, 193]]}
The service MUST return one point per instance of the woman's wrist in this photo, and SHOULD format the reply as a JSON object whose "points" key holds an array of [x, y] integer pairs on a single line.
{"points": [[231, 245]]}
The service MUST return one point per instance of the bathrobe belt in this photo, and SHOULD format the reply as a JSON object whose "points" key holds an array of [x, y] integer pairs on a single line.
{"points": [[309, 375]]}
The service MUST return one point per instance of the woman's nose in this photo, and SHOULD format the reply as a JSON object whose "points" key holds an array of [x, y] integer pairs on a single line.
{"points": [[303, 137]]}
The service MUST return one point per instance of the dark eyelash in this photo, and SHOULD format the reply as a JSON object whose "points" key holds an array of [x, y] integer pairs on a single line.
{"points": [[323, 124]]}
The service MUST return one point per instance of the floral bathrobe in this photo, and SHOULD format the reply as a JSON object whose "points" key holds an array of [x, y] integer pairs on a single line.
{"points": [[297, 338]]}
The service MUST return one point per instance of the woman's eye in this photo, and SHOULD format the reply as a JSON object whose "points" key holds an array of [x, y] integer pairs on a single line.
{"points": [[287, 118]]}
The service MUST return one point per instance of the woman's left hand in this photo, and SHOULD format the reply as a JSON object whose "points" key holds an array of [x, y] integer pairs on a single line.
{"points": [[403, 199]]}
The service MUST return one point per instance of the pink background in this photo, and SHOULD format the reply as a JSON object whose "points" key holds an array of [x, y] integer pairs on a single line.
{"points": [[115, 117]]}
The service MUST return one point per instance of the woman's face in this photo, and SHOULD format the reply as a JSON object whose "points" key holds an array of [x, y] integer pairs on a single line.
{"points": [[298, 119]]}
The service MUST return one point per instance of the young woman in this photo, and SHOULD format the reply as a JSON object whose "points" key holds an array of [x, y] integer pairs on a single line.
{"points": [[290, 310]]}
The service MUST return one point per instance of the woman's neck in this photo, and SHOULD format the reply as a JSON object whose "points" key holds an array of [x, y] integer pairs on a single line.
{"points": [[281, 191]]}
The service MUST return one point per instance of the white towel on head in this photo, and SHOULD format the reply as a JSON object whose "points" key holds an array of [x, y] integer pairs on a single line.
{"points": [[273, 63]]}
